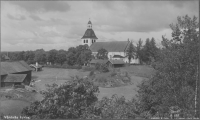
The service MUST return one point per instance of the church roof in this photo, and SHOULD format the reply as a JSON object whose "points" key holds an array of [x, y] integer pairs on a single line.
{"points": [[89, 22], [115, 46], [89, 33]]}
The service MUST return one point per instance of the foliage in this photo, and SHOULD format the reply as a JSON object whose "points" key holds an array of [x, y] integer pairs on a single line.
{"points": [[71, 59], [67, 101], [83, 55], [176, 72], [101, 67], [102, 54], [61, 56], [139, 52], [112, 108], [51, 56], [40, 56], [130, 53]]}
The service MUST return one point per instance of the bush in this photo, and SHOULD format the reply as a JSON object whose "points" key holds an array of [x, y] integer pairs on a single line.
{"points": [[101, 67], [91, 73], [67, 101]]}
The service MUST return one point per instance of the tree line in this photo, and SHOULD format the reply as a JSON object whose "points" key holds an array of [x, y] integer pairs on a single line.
{"points": [[79, 55]]}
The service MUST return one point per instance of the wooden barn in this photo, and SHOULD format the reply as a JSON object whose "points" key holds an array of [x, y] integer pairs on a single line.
{"points": [[15, 73], [116, 63]]}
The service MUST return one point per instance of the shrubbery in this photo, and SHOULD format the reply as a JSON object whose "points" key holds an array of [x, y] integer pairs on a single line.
{"points": [[101, 67]]}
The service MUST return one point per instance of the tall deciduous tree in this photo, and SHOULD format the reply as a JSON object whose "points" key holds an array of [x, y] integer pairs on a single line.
{"points": [[176, 72], [61, 56], [71, 58], [40, 56], [51, 56], [102, 54]]}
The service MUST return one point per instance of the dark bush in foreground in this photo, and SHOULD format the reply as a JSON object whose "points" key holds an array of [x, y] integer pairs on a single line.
{"points": [[69, 100]]}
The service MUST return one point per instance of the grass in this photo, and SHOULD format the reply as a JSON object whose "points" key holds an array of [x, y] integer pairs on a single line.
{"points": [[59, 76], [139, 70]]}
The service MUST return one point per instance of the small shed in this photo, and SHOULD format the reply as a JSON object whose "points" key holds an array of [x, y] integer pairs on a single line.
{"points": [[36, 67], [13, 79], [93, 62], [116, 63]]}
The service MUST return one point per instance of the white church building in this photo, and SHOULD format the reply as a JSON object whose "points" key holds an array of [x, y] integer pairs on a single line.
{"points": [[116, 49]]}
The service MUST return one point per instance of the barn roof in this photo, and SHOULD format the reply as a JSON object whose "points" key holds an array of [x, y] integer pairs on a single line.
{"points": [[15, 78], [14, 67], [89, 33], [114, 46], [98, 61], [117, 62]]}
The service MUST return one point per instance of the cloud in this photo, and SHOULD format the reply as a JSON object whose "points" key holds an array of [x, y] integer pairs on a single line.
{"points": [[36, 18], [43, 6], [18, 17], [140, 16]]}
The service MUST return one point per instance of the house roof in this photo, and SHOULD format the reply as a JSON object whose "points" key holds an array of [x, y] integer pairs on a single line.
{"points": [[14, 67], [89, 33], [114, 46], [98, 61], [118, 56], [89, 22], [15, 78], [117, 62]]}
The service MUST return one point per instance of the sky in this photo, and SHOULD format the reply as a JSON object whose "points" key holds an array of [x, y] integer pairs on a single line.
{"points": [[31, 25]]}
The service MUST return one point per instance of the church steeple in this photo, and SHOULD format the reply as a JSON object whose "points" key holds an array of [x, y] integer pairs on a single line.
{"points": [[89, 37], [89, 24]]}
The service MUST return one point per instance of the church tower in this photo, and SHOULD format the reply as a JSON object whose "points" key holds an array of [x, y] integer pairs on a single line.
{"points": [[89, 37]]}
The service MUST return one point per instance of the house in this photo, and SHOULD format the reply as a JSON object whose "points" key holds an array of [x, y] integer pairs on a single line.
{"points": [[15, 73], [116, 49]]}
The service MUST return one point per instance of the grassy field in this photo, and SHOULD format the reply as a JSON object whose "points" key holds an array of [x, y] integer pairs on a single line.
{"points": [[59, 76]]}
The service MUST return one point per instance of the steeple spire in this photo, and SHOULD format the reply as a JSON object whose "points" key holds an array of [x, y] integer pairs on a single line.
{"points": [[89, 24]]}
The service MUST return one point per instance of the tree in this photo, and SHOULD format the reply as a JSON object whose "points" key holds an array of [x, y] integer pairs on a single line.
{"points": [[102, 54], [51, 56], [61, 56], [83, 54], [130, 53], [67, 101], [71, 58], [40, 56], [29, 57], [176, 68], [139, 52]]}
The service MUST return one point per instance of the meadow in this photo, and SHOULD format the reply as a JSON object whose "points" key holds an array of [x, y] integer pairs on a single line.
{"points": [[59, 76]]}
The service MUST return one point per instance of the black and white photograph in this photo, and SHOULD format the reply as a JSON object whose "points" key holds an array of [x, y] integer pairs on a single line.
{"points": [[99, 59]]}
